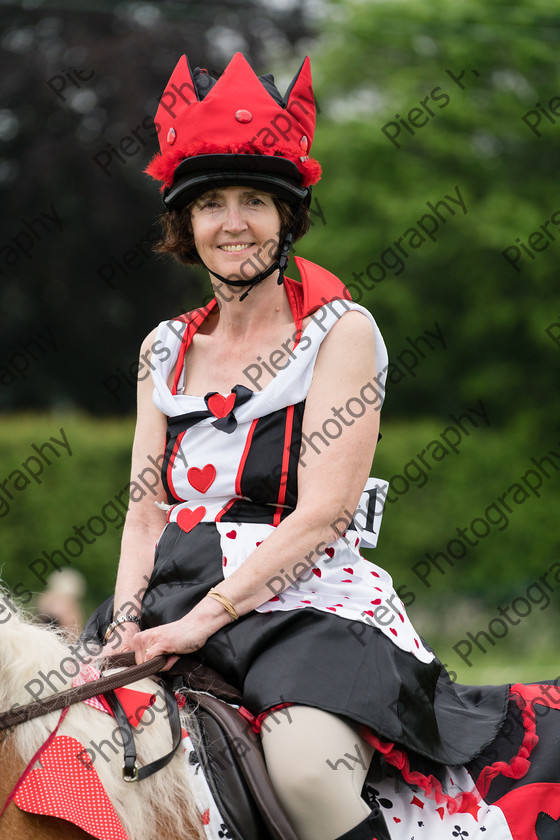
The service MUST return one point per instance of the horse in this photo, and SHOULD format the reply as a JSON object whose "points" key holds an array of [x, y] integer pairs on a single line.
{"points": [[34, 663]]}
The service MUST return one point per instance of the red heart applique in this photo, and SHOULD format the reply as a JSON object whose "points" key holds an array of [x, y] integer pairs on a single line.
{"points": [[396, 819], [231, 534], [188, 519], [377, 601], [316, 572], [330, 552], [346, 581], [374, 574], [368, 612], [348, 571], [67, 786], [201, 479], [221, 406], [206, 817], [393, 631]]}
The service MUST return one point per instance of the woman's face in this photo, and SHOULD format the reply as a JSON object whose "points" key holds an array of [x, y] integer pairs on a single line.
{"points": [[236, 231]]}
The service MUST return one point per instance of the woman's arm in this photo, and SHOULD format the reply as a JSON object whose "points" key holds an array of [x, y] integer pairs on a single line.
{"points": [[144, 521], [329, 488]]}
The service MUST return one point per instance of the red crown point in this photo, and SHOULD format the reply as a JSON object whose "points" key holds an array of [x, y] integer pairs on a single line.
{"points": [[201, 115]]}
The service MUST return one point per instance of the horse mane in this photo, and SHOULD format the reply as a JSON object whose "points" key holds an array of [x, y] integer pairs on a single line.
{"points": [[34, 663]]}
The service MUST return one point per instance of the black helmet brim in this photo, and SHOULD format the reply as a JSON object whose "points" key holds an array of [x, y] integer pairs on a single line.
{"points": [[195, 176]]}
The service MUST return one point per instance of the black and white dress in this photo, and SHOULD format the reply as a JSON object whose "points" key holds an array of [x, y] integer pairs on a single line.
{"points": [[337, 637]]}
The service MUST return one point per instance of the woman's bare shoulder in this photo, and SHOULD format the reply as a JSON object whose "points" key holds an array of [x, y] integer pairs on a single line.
{"points": [[352, 329]]}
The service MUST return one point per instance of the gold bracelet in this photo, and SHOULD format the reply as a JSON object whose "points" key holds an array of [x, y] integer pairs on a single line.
{"points": [[225, 602]]}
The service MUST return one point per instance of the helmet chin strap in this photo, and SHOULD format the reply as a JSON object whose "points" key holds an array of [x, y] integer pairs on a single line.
{"points": [[279, 265]]}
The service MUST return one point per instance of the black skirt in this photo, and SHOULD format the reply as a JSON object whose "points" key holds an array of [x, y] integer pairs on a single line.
{"points": [[319, 659]]}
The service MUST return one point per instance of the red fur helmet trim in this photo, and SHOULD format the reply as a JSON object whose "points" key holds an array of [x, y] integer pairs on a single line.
{"points": [[162, 168]]}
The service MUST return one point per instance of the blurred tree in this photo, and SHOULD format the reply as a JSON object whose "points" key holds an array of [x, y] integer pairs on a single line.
{"points": [[418, 100], [79, 285]]}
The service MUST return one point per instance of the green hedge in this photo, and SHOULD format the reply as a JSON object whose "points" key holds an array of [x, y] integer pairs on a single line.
{"points": [[72, 490], [504, 566]]}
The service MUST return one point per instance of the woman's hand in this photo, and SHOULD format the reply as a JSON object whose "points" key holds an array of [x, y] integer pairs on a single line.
{"points": [[121, 639], [186, 635]]}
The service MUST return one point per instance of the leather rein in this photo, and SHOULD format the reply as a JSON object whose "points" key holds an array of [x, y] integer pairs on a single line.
{"points": [[13, 717], [105, 685]]}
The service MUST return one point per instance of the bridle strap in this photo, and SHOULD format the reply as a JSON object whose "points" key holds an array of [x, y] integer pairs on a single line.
{"points": [[13, 717], [131, 771]]}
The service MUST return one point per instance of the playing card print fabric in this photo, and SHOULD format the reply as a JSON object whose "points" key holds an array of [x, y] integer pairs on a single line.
{"points": [[511, 791]]}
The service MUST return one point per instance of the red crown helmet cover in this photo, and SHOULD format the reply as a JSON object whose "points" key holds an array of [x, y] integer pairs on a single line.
{"points": [[236, 130]]}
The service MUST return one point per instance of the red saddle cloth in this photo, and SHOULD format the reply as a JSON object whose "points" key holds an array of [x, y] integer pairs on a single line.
{"points": [[65, 784]]}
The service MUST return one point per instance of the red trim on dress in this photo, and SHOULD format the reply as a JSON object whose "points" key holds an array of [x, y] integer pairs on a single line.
{"points": [[294, 292], [34, 760], [318, 286], [170, 467], [224, 510], [516, 768], [193, 320], [520, 763], [244, 457], [285, 463]]}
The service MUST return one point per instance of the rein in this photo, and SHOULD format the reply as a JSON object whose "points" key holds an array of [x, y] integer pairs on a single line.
{"points": [[33, 761], [104, 685], [13, 717]]}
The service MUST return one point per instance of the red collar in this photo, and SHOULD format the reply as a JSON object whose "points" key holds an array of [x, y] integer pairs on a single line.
{"points": [[317, 287]]}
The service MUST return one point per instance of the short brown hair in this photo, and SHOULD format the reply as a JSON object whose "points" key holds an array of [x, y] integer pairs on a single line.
{"points": [[178, 239]]}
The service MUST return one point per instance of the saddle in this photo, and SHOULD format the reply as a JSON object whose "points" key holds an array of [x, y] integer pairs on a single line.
{"points": [[229, 751], [230, 754]]}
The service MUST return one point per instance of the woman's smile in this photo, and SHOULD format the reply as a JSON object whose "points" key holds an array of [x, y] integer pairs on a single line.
{"points": [[233, 248], [233, 225]]}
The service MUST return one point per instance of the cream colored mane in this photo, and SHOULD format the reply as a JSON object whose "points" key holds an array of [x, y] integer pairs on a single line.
{"points": [[161, 806]]}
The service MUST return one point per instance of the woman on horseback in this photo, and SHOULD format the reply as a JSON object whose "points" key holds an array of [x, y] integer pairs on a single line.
{"points": [[263, 414]]}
